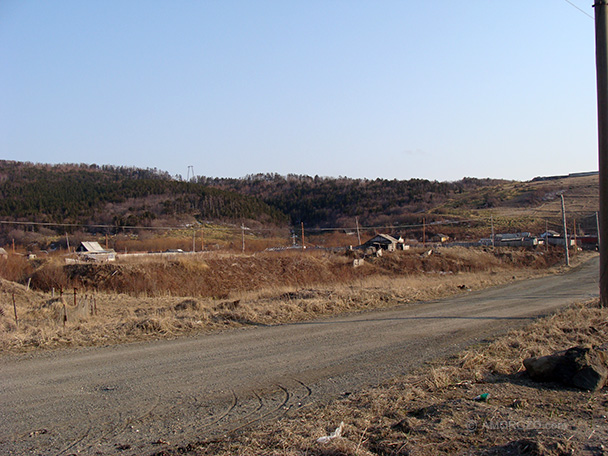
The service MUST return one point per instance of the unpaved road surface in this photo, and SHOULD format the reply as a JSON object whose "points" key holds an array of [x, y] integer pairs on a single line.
{"points": [[138, 398]]}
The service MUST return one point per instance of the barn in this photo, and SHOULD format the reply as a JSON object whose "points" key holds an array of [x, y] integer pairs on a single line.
{"points": [[384, 242], [92, 251]]}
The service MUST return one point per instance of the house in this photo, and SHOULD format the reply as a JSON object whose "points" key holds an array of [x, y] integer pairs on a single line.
{"points": [[524, 239], [383, 242], [440, 238], [92, 251]]}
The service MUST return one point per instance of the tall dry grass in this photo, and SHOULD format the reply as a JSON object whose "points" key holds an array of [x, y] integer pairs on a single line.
{"points": [[148, 298], [220, 275]]}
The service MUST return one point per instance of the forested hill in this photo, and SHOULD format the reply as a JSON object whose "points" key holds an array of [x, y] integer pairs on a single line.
{"points": [[323, 201], [119, 196], [125, 196]]}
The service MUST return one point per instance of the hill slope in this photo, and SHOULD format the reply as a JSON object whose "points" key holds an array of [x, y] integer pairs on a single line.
{"points": [[323, 201], [119, 196]]}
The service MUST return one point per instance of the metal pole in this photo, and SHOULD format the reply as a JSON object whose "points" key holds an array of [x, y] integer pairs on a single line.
{"points": [[601, 64], [565, 231]]}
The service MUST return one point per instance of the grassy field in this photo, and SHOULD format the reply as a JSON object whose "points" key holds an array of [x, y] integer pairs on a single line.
{"points": [[148, 299]]}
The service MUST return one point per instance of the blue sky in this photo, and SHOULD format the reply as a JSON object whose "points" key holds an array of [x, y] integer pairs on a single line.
{"points": [[392, 89]]}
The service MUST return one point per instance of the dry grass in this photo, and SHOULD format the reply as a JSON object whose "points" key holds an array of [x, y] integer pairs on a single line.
{"points": [[178, 297], [434, 411]]}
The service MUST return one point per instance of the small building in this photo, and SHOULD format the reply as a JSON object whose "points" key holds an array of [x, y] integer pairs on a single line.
{"points": [[384, 242], [440, 238], [588, 242], [92, 251], [524, 239]]}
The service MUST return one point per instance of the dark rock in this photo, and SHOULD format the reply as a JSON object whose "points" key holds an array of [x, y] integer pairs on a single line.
{"points": [[581, 367]]}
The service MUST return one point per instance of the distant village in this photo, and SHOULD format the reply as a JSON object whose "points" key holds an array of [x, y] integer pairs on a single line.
{"points": [[92, 251], [388, 243]]}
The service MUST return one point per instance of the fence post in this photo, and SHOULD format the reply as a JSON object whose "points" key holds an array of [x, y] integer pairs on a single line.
{"points": [[15, 309]]}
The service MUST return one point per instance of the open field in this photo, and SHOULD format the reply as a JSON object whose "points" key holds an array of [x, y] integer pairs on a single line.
{"points": [[151, 299]]}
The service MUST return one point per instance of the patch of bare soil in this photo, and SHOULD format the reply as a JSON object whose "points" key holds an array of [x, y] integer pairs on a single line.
{"points": [[443, 408]]}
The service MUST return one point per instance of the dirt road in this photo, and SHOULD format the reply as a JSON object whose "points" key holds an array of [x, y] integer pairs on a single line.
{"points": [[138, 398]]}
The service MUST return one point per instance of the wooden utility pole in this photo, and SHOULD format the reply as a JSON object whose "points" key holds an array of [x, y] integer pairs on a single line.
{"points": [[423, 231], [202, 240], [597, 228], [565, 230], [492, 222], [303, 247], [358, 234], [193, 240], [601, 65]]}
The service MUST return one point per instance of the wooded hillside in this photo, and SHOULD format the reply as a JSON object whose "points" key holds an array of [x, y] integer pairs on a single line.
{"points": [[119, 196], [325, 201], [124, 196]]}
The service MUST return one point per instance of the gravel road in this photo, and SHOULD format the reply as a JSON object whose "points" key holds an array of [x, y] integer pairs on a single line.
{"points": [[135, 399]]}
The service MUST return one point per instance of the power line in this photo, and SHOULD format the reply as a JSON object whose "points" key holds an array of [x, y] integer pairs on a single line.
{"points": [[580, 9], [539, 213]]}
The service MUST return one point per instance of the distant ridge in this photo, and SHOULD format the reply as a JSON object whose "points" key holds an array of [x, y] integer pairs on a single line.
{"points": [[583, 174]]}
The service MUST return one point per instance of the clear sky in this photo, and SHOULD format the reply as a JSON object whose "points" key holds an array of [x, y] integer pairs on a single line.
{"points": [[393, 89]]}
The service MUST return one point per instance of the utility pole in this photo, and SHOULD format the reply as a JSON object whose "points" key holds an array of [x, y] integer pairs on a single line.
{"points": [[358, 234], [243, 231], [193, 241], [423, 231], [565, 230], [601, 65], [492, 222], [597, 228], [303, 246]]}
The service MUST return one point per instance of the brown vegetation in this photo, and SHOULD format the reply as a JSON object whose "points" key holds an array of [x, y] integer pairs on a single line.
{"points": [[87, 304]]}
